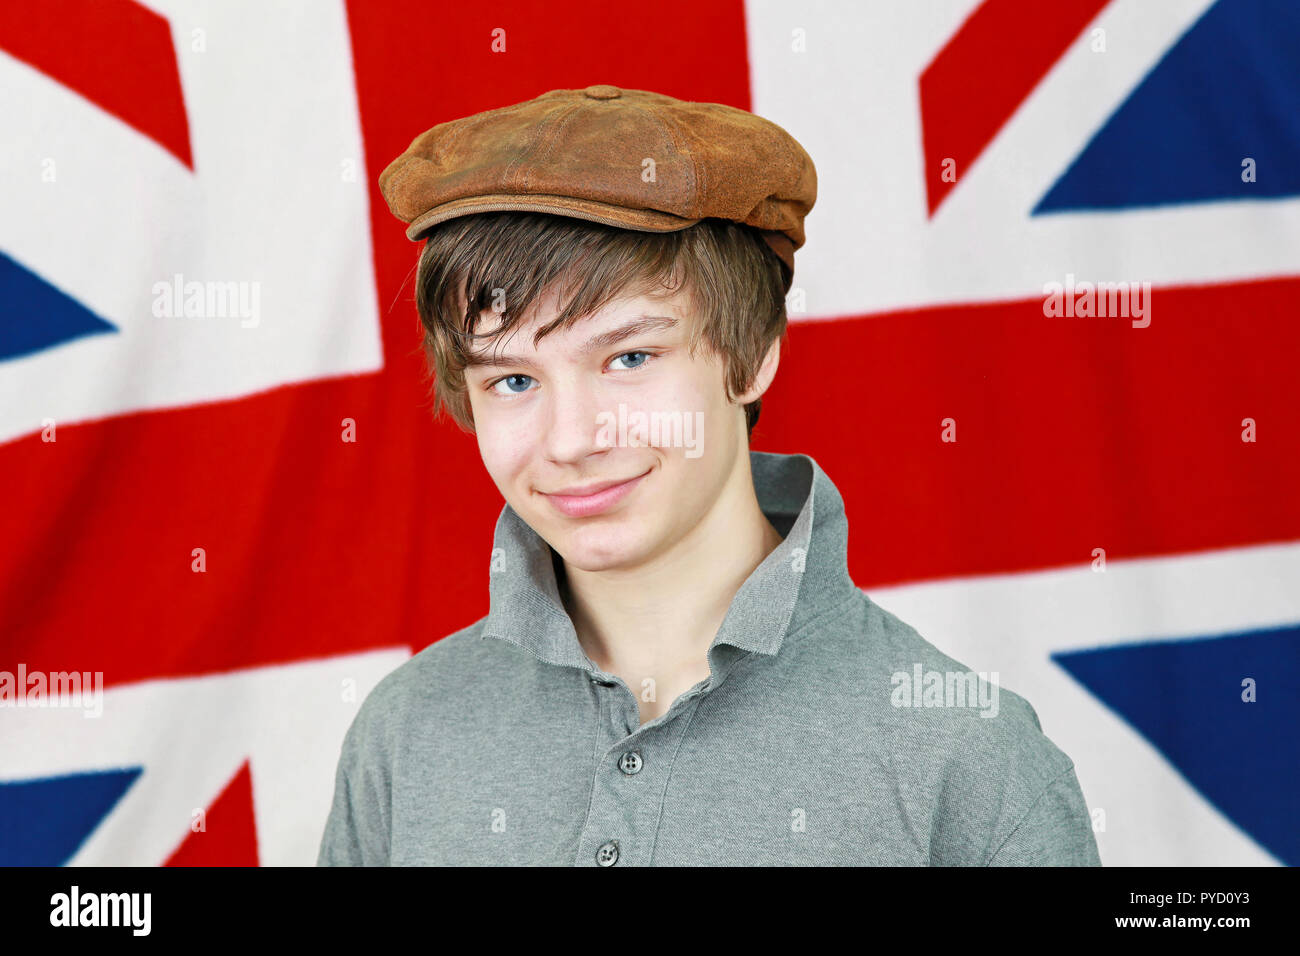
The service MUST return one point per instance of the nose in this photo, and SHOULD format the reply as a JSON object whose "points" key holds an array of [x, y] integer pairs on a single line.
{"points": [[571, 425]]}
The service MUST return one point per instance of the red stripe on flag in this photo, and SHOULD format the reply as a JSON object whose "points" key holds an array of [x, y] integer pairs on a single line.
{"points": [[116, 53], [228, 836], [1072, 433], [982, 75]]}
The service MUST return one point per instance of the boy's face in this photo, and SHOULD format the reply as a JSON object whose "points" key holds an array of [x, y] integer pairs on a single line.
{"points": [[589, 406]]}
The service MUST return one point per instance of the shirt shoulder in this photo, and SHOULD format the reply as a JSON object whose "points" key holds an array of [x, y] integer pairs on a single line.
{"points": [[465, 675], [428, 685], [969, 756]]}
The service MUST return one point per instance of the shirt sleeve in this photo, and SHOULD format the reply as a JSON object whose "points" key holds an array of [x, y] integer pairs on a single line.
{"points": [[357, 830], [1055, 831]]}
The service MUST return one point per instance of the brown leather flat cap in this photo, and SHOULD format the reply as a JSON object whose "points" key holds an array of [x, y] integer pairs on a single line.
{"points": [[627, 158]]}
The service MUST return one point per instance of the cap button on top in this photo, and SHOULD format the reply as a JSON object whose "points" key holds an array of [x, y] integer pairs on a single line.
{"points": [[603, 92]]}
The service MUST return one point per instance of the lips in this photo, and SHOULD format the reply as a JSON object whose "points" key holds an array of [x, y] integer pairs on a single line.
{"points": [[586, 490], [593, 499]]}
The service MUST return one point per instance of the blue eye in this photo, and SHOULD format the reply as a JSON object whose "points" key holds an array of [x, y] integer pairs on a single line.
{"points": [[506, 380], [637, 365]]}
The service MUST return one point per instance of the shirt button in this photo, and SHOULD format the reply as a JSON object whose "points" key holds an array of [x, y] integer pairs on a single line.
{"points": [[630, 762], [607, 855]]}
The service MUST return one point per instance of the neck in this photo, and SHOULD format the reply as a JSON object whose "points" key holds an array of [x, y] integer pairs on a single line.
{"points": [[657, 621]]}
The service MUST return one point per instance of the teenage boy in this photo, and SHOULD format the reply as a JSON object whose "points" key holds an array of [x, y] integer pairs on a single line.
{"points": [[676, 667]]}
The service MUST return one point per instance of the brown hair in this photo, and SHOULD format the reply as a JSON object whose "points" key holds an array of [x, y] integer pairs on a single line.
{"points": [[504, 261]]}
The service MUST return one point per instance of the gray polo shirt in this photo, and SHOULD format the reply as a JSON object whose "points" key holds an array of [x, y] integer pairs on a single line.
{"points": [[828, 733]]}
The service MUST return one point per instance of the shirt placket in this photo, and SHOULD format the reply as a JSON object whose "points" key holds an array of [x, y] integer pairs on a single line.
{"points": [[633, 763]]}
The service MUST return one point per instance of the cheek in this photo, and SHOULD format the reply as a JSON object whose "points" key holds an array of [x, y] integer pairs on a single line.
{"points": [[691, 408], [687, 390], [504, 446]]}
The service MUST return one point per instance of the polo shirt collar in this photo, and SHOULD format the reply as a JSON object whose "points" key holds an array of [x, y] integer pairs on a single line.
{"points": [[804, 576]]}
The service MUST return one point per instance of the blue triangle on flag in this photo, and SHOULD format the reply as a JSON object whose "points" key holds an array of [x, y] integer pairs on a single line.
{"points": [[1226, 92], [44, 821], [1186, 698], [34, 315]]}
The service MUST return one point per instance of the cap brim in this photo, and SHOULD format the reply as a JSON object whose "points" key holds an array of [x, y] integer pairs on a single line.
{"points": [[645, 220]]}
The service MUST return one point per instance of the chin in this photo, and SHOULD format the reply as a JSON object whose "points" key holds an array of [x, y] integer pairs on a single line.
{"points": [[599, 546]]}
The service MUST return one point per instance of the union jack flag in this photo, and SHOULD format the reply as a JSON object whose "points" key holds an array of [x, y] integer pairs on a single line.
{"points": [[223, 493]]}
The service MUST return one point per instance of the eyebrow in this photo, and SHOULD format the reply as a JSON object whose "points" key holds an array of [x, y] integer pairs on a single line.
{"points": [[638, 326]]}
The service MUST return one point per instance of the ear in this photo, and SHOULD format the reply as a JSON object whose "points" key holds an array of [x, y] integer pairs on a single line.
{"points": [[766, 372]]}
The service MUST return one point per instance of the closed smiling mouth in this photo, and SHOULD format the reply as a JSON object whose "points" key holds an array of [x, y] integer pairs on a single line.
{"points": [[586, 491], [584, 501]]}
